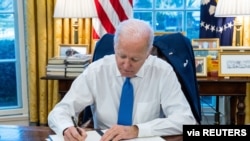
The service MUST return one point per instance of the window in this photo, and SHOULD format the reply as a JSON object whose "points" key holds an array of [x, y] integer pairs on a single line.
{"points": [[13, 81], [170, 15], [174, 16]]}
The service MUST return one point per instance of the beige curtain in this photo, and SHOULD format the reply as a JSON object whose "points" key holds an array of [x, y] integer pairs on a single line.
{"points": [[43, 36], [245, 41]]}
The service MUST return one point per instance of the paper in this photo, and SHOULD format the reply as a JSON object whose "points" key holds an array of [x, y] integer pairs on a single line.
{"points": [[94, 136], [147, 139]]}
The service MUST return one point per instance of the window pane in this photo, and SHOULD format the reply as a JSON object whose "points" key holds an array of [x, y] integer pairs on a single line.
{"points": [[6, 26], [169, 21], [208, 101], [8, 87], [6, 5], [169, 4], [142, 4], [7, 49], [193, 24], [193, 4], [146, 16]]}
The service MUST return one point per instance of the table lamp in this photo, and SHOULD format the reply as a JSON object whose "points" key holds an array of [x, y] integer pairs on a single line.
{"points": [[233, 8], [75, 9]]}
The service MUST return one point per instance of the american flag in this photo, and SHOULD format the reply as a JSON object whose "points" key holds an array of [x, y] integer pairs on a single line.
{"points": [[213, 27], [110, 14]]}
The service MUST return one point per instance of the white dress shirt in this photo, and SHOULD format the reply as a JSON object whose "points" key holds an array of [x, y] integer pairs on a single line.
{"points": [[157, 92]]}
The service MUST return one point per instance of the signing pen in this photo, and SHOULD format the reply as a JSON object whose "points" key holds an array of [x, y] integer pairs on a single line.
{"points": [[73, 120], [99, 132]]}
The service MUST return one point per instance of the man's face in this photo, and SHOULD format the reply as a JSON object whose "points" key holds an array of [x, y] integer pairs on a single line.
{"points": [[130, 56]]}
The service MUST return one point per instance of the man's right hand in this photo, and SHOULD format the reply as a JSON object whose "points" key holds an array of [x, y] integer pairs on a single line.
{"points": [[71, 134]]}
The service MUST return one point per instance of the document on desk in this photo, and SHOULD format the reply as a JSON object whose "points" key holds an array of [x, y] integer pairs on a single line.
{"points": [[147, 139], [95, 136], [91, 136]]}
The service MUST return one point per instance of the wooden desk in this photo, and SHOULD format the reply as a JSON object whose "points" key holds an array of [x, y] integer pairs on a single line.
{"points": [[234, 87], [210, 86], [21, 133], [39, 133]]}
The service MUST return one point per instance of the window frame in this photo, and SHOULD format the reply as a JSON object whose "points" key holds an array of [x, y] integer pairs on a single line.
{"points": [[20, 61], [184, 10]]}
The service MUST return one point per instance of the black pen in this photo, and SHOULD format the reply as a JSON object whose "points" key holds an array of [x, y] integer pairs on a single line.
{"points": [[73, 119], [99, 132]]}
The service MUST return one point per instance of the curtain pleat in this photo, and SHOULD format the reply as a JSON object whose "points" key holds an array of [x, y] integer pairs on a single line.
{"points": [[245, 33], [31, 51], [245, 41], [41, 58], [247, 101], [44, 35]]}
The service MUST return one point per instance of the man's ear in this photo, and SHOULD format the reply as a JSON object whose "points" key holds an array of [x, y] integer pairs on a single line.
{"points": [[154, 51]]}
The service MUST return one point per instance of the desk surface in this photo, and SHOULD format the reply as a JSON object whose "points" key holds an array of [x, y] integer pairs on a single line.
{"points": [[20, 133], [39, 133]]}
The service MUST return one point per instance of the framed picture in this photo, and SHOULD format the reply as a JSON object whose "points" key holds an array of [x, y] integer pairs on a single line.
{"points": [[234, 64], [68, 50], [235, 48], [201, 66], [206, 43]]}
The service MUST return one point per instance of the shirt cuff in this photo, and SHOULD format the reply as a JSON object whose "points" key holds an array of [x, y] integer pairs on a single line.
{"points": [[144, 130]]}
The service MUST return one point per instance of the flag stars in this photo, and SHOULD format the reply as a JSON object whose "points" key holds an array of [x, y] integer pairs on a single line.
{"points": [[230, 25], [212, 28], [202, 24], [220, 29], [207, 26], [225, 27]]}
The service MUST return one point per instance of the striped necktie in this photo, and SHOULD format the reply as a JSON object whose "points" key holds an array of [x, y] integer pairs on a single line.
{"points": [[126, 104]]}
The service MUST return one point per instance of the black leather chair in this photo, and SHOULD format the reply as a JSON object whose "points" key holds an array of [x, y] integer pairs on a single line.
{"points": [[174, 48], [104, 47]]}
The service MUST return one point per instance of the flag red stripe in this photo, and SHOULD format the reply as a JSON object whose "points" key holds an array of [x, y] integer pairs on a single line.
{"points": [[131, 2], [119, 9], [95, 35], [110, 14], [104, 18]]}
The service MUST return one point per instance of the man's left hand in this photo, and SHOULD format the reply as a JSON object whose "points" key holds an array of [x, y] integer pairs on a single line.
{"points": [[119, 132]]}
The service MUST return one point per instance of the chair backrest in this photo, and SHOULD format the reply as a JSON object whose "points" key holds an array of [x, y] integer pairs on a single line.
{"points": [[104, 46], [174, 48]]}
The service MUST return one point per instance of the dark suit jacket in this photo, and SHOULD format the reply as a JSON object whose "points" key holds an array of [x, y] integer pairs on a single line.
{"points": [[178, 51]]}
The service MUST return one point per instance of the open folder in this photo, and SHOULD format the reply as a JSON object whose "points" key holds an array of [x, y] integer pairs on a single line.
{"points": [[94, 135]]}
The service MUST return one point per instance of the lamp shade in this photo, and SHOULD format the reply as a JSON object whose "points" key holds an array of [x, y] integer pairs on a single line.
{"points": [[232, 8], [75, 9]]}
